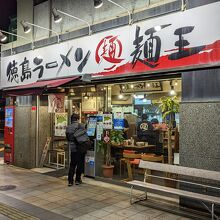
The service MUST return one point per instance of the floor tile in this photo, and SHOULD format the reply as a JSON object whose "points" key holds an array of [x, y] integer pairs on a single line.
{"points": [[114, 217], [99, 213]]}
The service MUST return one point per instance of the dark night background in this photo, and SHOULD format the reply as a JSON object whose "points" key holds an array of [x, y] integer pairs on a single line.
{"points": [[7, 8]]}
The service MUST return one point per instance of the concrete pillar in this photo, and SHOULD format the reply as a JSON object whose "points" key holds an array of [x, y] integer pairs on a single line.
{"points": [[199, 126]]}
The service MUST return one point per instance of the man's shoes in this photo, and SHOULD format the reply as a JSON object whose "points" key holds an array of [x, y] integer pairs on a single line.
{"points": [[77, 182], [70, 184]]}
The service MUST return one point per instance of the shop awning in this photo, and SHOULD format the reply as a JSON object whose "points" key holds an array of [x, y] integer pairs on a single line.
{"points": [[37, 87]]}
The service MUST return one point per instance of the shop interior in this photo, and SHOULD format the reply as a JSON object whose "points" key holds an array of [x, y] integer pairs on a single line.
{"points": [[128, 101]]}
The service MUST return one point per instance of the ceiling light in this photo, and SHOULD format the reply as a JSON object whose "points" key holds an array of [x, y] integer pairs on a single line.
{"points": [[26, 28], [132, 86], [120, 96], [148, 84], [144, 100], [86, 96], [172, 91], [57, 18], [3, 37], [98, 3], [123, 87], [176, 83]]}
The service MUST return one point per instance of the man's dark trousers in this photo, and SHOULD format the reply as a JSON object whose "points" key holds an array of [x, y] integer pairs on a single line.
{"points": [[77, 163]]}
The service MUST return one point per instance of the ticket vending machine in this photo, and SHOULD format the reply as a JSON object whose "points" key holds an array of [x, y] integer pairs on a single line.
{"points": [[9, 134], [90, 155]]}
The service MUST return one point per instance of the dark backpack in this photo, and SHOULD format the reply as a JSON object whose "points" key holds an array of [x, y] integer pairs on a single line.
{"points": [[80, 137]]}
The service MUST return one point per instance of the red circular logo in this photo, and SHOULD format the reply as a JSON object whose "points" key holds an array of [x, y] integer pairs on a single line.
{"points": [[109, 49]]}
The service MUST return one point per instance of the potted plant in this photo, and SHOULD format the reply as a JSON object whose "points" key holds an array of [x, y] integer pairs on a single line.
{"points": [[169, 106], [114, 137]]}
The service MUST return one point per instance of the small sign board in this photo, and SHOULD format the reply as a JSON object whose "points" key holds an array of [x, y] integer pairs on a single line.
{"points": [[45, 150]]}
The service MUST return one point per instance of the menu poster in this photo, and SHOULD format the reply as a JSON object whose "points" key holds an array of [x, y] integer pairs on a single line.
{"points": [[60, 124], [56, 103], [107, 121], [118, 120], [91, 127]]}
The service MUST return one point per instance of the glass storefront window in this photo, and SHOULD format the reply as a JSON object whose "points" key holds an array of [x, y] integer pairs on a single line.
{"points": [[133, 100], [122, 106]]}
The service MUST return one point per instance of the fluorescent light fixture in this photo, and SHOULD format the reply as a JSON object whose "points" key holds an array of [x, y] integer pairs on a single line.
{"points": [[72, 16], [98, 3], [27, 28]]}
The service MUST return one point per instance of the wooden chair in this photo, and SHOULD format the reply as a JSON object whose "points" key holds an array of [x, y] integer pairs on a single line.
{"points": [[131, 159], [122, 160]]}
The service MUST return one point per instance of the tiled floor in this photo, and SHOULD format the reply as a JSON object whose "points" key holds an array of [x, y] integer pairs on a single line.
{"points": [[45, 197]]}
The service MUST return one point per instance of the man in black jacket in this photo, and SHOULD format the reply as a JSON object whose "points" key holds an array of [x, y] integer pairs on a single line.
{"points": [[77, 157], [145, 130]]}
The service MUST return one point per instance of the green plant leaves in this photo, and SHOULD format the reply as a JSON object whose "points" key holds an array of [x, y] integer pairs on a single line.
{"points": [[169, 105], [116, 136]]}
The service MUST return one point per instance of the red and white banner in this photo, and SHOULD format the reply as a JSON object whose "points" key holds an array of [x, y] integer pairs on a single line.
{"points": [[175, 41]]}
